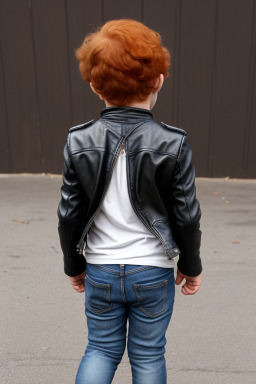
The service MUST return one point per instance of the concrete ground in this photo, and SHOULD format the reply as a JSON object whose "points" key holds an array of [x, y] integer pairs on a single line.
{"points": [[212, 335]]}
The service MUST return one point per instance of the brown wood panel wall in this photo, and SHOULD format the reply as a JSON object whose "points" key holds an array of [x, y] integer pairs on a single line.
{"points": [[20, 88], [233, 50], [211, 92], [196, 41], [163, 19], [249, 152], [83, 17], [53, 77], [117, 9], [5, 157]]}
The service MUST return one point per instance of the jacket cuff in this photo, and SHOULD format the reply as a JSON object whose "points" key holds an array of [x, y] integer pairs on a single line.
{"points": [[76, 268], [191, 271], [74, 263]]}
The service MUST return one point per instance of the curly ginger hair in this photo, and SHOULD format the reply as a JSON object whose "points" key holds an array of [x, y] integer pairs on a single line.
{"points": [[122, 60]]}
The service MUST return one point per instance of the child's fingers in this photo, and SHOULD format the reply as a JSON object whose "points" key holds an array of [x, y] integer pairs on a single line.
{"points": [[189, 289], [78, 286], [179, 279]]}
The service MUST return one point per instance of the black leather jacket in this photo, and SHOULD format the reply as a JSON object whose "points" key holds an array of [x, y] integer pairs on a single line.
{"points": [[160, 177]]}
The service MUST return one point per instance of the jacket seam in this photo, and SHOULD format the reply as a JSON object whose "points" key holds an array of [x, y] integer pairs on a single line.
{"points": [[68, 196], [186, 200], [110, 126], [181, 144], [68, 177], [101, 149], [160, 221], [179, 163], [184, 192], [69, 157], [134, 153], [107, 125]]}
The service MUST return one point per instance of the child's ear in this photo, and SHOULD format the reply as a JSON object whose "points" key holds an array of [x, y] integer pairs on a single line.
{"points": [[94, 90], [159, 83]]}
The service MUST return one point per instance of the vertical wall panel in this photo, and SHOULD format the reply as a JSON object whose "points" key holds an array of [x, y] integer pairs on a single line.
{"points": [[250, 143], [83, 18], [20, 91], [5, 160], [122, 9], [251, 151], [251, 170], [233, 57], [163, 19], [196, 59], [52, 68]]}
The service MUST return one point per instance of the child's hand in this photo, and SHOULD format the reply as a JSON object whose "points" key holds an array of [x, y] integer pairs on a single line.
{"points": [[77, 282], [191, 285]]}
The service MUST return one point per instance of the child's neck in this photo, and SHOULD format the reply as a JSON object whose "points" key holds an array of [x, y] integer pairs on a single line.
{"points": [[144, 104]]}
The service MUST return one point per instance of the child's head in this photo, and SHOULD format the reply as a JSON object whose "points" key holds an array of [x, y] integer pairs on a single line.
{"points": [[123, 60]]}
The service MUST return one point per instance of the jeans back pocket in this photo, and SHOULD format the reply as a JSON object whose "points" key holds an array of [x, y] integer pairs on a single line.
{"points": [[151, 298], [97, 296]]}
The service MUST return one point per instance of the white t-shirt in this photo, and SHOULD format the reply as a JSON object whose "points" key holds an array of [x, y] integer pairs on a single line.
{"points": [[117, 235]]}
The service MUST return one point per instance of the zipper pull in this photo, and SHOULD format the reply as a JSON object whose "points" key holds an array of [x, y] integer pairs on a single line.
{"points": [[122, 149], [80, 247]]}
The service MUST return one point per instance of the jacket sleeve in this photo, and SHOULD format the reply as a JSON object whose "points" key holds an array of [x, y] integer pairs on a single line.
{"points": [[71, 218], [186, 212]]}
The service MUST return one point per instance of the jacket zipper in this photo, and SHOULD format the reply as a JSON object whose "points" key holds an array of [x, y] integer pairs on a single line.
{"points": [[80, 245], [152, 230]]}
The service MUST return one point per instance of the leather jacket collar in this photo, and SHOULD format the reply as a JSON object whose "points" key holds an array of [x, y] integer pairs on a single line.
{"points": [[126, 114]]}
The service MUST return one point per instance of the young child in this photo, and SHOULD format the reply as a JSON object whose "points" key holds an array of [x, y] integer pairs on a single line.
{"points": [[128, 199]]}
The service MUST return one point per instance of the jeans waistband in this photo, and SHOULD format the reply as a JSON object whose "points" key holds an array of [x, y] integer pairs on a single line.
{"points": [[125, 269]]}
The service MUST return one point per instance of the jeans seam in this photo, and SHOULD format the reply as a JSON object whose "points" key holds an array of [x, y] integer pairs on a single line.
{"points": [[106, 269], [96, 284], [132, 271], [103, 310], [123, 289]]}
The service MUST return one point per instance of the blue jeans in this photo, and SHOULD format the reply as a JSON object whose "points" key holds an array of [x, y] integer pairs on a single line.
{"points": [[114, 293]]}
